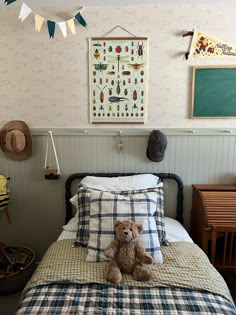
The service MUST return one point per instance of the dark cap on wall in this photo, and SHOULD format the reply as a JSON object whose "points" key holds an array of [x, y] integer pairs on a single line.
{"points": [[157, 143]]}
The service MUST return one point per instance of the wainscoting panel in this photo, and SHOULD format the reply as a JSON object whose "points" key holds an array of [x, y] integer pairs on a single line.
{"points": [[37, 205]]}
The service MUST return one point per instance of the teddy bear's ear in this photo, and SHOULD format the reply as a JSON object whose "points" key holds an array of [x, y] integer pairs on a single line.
{"points": [[117, 223], [140, 227]]}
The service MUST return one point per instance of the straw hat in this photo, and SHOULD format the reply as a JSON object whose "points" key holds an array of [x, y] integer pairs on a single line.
{"points": [[16, 140]]}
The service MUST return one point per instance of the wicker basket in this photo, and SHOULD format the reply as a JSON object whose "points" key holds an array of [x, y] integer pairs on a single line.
{"points": [[16, 280]]}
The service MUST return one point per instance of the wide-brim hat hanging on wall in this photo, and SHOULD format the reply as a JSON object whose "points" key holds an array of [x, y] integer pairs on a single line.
{"points": [[16, 140], [157, 143]]}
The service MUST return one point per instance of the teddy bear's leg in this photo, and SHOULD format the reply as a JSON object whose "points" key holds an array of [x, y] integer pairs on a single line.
{"points": [[140, 273], [113, 272]]}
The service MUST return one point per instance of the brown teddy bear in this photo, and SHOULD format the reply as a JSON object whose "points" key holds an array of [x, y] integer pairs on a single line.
{"points": [[126, 254]]}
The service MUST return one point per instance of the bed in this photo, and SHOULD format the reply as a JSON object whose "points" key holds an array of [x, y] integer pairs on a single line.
{"points": [[69, 280]]}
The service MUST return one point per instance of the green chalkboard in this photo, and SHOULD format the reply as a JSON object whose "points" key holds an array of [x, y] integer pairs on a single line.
{"points": [[214, 92]]}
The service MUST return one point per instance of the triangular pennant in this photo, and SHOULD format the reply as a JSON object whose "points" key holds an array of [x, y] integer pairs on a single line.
{"points": [[63, 28], [9, 1], [51, 28], [207, 46], [38, 22], [71, 25], [80, 19], [24, 12]]}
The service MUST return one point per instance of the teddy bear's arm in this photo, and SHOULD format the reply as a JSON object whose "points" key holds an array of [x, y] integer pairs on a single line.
{"points": [[111, 249], [142, 255]]}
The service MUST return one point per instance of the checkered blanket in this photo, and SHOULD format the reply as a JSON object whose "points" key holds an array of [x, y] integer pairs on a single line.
{"points": [[102, 299], [185, 284]]}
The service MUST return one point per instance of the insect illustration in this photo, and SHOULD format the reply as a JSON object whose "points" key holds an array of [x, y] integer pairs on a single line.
{"points": [[135, 95], [125, 72], [96, 54], [101, 94], [116, 99], [110, 72], [118, 87], [136, 66], [119, 59], [118, 49], [140, 48], [101, 66], [97, 44]]}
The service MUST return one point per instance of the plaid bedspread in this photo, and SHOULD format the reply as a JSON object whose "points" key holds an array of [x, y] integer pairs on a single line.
{"points": [[101, 299], [185, 284]]}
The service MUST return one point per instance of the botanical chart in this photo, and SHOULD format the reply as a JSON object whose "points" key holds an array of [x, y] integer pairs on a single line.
{"points": [[118, 74]]}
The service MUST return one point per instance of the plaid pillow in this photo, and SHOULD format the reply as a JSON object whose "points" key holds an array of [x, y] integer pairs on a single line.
{"points": [[106, 208], [84, 195]]}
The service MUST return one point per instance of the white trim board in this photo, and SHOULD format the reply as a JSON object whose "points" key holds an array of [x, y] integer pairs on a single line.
{"points": [[134, 131]]}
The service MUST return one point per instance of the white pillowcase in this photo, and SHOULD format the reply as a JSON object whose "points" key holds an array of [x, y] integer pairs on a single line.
{"points": [[106, 208], [175, 232], [72, 225], [119, 183]]}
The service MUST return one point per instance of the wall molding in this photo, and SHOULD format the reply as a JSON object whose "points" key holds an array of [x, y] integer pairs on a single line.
{"points": [[134, 131]]}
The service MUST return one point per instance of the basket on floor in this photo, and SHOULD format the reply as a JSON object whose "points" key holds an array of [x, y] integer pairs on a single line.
{"points": [[17, 263]]}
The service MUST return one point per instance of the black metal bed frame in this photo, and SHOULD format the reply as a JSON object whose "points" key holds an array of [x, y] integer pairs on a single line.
{"points": [[163, 176]]}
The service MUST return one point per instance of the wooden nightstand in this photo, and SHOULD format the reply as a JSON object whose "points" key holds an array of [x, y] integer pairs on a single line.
{"points": [[213, 223]]}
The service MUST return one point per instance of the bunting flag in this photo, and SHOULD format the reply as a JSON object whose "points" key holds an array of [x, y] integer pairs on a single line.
{"points": [[51, 28], [63, 28], [25, 11], [71, 25], [9, 1], [80, 19], [38, 22], [207, 46]]}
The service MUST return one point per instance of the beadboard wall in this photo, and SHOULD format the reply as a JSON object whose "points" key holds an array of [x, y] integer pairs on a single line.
{"points": [[37, 206]]}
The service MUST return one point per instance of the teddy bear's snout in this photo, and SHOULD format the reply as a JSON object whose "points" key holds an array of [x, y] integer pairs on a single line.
{"points": [[126, 233]]}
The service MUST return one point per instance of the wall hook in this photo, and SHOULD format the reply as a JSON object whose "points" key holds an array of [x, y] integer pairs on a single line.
{"points": [[120, 142]]}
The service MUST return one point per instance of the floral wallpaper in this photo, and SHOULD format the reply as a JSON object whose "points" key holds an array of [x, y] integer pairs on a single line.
{"points": [[45, 82]]}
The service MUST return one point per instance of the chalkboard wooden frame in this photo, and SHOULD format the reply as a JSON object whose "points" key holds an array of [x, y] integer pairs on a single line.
{"points": [[214, 92]]}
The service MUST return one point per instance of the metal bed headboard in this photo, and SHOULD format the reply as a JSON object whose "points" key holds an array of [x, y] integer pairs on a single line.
{"points": [[163, 176]]}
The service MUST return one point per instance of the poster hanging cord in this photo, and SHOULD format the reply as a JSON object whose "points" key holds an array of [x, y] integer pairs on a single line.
{"points": [[119, 26]]}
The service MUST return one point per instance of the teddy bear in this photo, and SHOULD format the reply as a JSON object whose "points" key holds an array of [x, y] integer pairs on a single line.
{"points": [[126, 253]]}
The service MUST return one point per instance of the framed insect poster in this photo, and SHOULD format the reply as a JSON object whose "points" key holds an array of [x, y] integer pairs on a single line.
{"points": [[118, 75]]}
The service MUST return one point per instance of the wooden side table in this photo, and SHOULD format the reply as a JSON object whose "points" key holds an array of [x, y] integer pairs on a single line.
{"points": [[213, 223]]}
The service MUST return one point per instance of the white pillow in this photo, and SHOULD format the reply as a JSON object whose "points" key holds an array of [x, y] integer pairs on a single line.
{"points": [[133, 182], [118, 183], [175, 232], [106, 208], [72, 225], [74, 201]]}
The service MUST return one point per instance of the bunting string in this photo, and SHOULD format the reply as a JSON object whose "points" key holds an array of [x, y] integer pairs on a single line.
{"points": [[25, 11]]}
